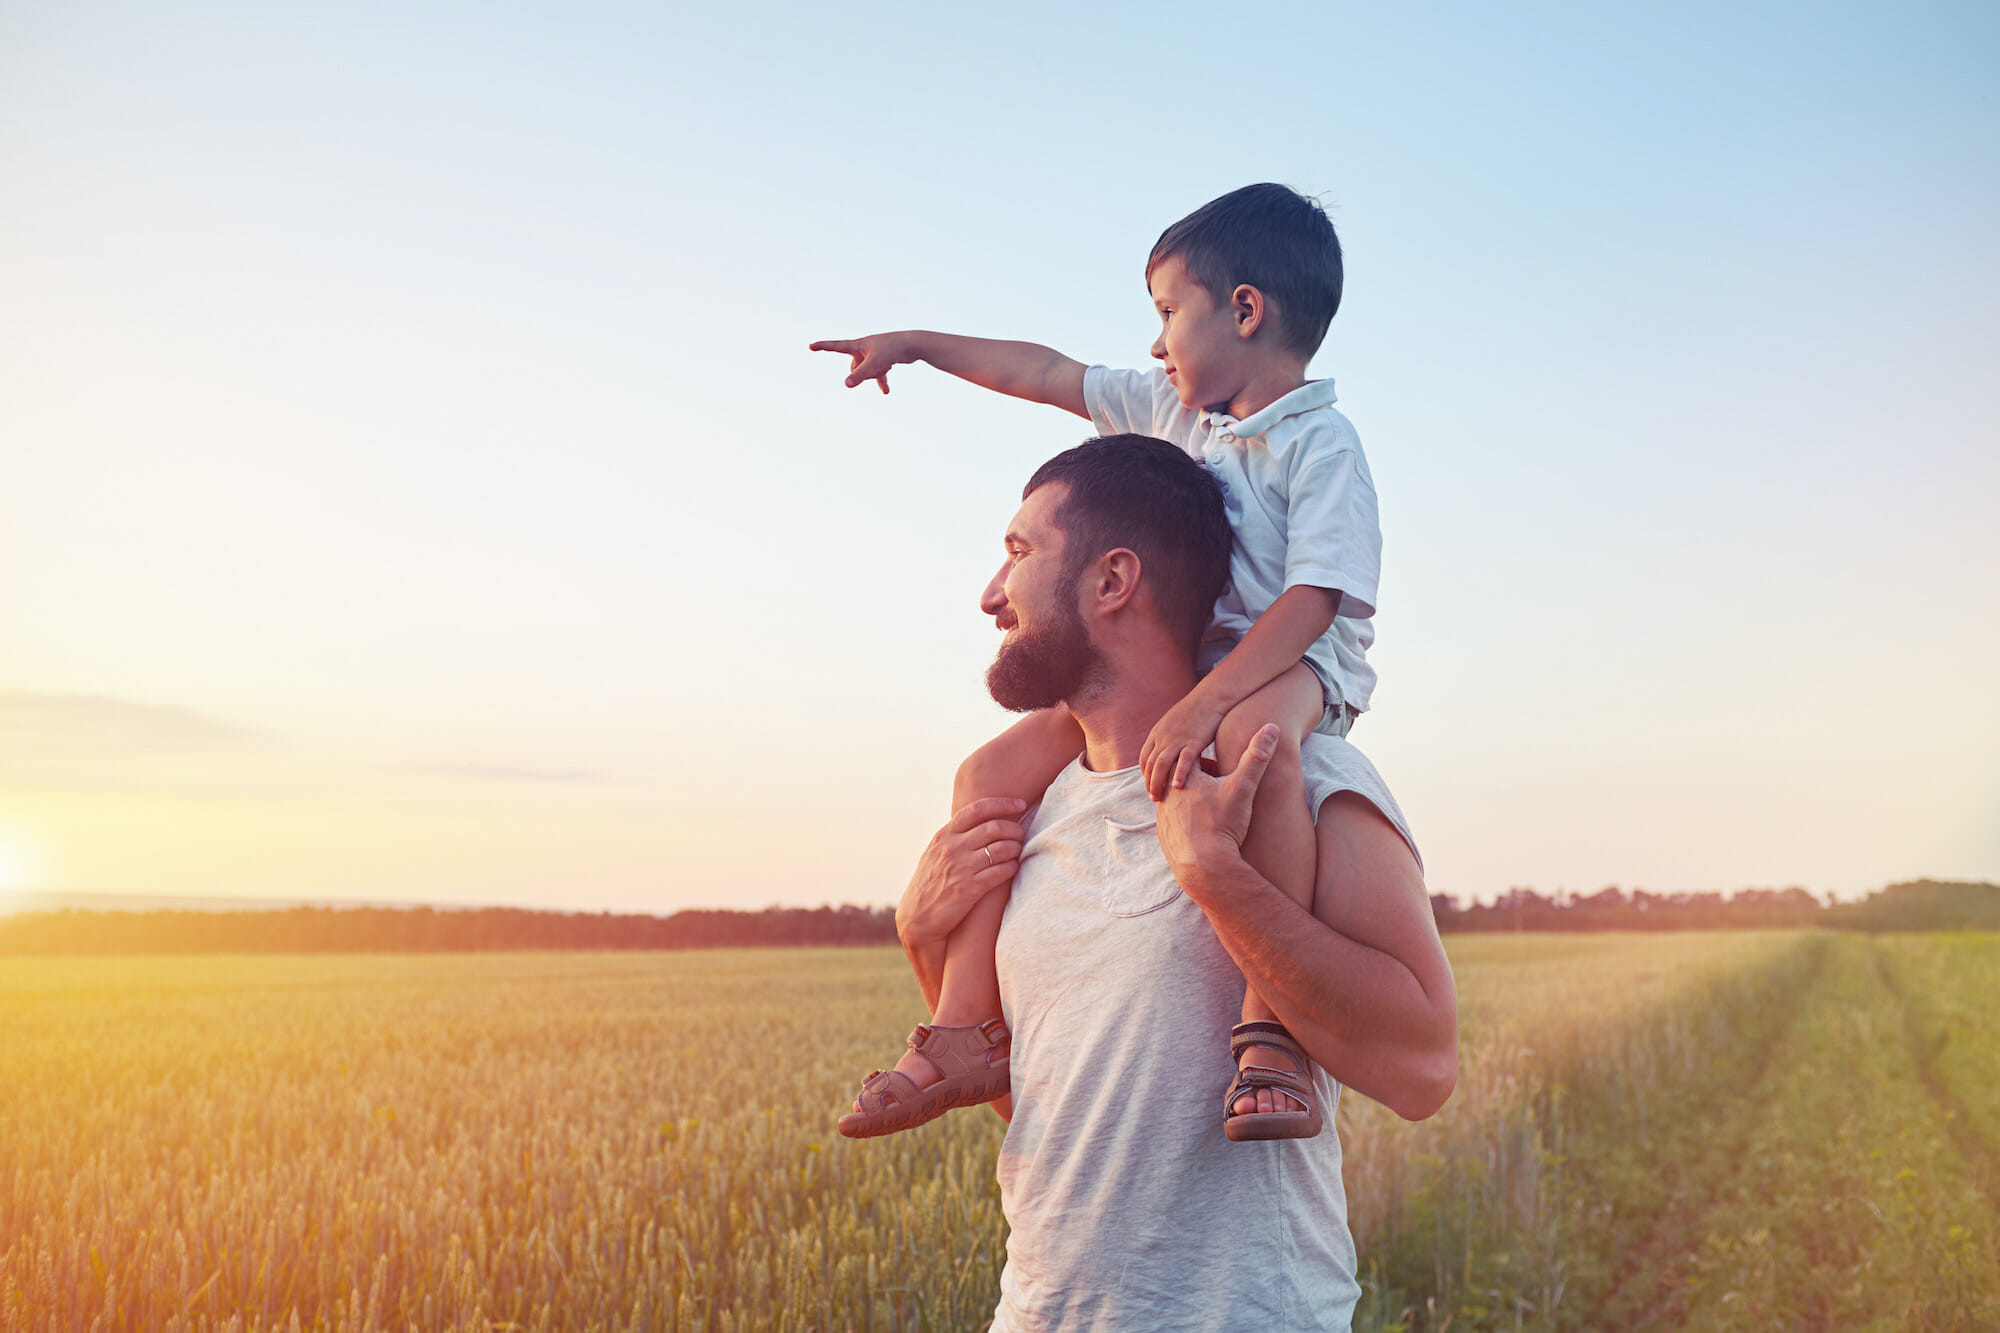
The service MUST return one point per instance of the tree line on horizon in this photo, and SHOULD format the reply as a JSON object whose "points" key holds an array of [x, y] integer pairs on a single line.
{"points": [[1917, 905], [1923, 904]]}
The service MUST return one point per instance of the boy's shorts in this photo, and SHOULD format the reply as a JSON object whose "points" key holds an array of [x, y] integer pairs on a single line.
{"points": [[1338, 719]]}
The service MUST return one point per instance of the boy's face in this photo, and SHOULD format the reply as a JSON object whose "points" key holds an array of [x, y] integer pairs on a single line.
{"points": [[1200, 341]]}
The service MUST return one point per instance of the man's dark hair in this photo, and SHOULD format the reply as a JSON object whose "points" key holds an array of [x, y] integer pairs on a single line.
{"points": [[1272, 238], [1151, 498]]}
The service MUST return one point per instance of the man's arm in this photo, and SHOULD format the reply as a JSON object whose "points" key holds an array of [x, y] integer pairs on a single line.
{"points": [[1020, 370], [1362, 980]]}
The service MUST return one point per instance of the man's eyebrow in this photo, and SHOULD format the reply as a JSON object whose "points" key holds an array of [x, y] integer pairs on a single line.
{"points": [[1015, 539]]}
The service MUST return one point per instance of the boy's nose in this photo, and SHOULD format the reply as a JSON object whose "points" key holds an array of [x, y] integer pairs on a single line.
{"points": [[1159, 348]]}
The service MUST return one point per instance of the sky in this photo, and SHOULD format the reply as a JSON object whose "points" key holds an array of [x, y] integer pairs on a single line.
{"points": [[417, 487]]}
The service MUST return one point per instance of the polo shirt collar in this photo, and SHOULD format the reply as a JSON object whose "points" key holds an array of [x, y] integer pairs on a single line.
{"points": [[1311, 394]]}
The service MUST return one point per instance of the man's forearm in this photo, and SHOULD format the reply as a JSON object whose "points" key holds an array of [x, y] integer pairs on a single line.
{"points": [[1361, 1012]]}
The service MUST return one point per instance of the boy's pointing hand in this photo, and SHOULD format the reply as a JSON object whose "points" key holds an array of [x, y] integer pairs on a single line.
{"points": [[871, 357]]}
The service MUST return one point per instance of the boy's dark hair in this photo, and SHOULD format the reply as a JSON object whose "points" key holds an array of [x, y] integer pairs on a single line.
{"points": [[1272, 238], [1151, 498]]}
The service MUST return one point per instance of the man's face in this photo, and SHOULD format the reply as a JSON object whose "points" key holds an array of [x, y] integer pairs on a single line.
{"points": [[1198, 343], [1047, 656]]}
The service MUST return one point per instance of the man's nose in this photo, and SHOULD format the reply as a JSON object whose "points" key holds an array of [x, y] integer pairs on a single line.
{"points": [[994, 600]]}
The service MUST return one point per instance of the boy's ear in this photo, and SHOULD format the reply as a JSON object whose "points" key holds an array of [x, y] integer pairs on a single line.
{"points": [[1247, 304]]}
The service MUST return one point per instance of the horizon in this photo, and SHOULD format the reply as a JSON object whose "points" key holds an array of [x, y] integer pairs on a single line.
{"points": [[22, 904], [420, 489]]}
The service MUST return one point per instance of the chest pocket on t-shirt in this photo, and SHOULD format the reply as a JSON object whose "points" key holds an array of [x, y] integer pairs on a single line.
{"points": [[1135, 879]]}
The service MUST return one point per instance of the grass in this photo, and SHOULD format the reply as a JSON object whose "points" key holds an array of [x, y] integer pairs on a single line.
{"points": [[1851, 1207], [531, 1141], [1719, 1131]]}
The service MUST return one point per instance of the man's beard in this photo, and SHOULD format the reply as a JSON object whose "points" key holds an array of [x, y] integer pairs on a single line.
{"points": [[1048, 667]]}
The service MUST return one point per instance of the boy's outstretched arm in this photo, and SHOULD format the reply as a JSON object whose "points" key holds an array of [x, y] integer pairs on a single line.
{"points": [[1019, 370]]}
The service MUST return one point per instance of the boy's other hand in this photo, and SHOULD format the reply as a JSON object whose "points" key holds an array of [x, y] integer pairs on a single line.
{"points": [[871, 357], [1173, 747]]}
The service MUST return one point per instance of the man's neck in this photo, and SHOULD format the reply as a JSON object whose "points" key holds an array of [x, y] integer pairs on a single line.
{"points": [[1117, 714]]}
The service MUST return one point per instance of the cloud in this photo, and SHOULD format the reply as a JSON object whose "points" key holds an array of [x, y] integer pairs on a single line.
{"points": [[505, 772], [97, 722]]}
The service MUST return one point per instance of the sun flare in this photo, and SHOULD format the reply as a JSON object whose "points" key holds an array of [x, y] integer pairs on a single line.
{"points": [[14, 868]]}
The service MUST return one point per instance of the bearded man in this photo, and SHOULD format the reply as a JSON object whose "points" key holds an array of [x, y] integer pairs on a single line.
{"points": [[1132, 927]]}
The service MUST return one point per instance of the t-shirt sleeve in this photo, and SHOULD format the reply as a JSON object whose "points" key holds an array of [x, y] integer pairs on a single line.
{"points": [[1333, 532], [1134, 402]]}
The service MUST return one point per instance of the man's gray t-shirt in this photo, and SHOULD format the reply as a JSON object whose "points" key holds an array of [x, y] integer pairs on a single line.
{"points": [[1126, 1208]]}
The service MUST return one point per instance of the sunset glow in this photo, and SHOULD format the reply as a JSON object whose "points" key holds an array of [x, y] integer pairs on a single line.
{"points": [[418, 486], [15, 876]]}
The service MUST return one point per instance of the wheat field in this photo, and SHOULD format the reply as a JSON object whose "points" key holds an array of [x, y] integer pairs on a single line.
{"points": [[1703, 1131]]}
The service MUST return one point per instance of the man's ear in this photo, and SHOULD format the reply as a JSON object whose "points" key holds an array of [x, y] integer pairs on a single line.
{"points": [[1117, 580], [1247, 304]]}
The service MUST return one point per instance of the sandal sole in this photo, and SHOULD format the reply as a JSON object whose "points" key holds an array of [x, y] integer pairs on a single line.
{"points": [[947, 1095], [1266, 1126]]}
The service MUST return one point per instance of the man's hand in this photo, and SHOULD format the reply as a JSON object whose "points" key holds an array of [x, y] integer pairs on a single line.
{"points": [[873, 356], [977, 852], [1172, 752], [1210, 816]]}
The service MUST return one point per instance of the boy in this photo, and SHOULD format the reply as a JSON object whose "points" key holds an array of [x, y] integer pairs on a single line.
{"points": [[1245, 288]]}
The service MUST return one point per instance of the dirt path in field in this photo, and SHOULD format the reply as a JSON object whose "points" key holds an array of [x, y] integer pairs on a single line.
{"points": [[1971, 1145], [1650, 1288]]}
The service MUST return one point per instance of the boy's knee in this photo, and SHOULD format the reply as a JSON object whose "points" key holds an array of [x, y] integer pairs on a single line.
{"points": [[977, 776], [1233, 737]]}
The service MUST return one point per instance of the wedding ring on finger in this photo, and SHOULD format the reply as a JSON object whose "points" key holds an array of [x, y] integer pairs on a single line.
{"points": [[988, 849]]}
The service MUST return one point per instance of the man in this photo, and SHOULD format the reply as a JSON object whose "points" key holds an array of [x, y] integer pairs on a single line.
{"points": [[1130, 934]]}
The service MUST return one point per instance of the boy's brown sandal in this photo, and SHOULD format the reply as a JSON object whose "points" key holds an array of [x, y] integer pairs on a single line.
{"points": [[1257, 1126], [973, 1062]]}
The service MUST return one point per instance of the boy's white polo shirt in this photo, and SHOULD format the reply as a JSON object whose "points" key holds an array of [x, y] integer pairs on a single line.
{"points": [[1300, 501]]}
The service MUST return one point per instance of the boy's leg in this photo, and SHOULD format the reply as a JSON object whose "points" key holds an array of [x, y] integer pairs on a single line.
{"points": [[1021, 761], [1280, 845]]}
